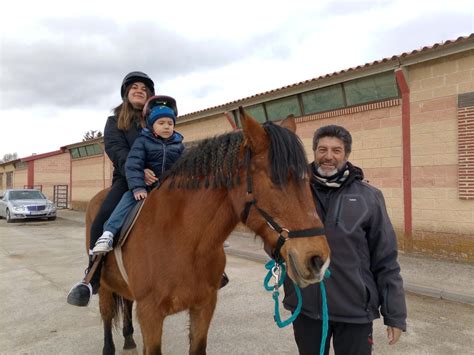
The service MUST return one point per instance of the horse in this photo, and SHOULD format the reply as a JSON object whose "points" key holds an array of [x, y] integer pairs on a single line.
{"points": [[174, 255]]}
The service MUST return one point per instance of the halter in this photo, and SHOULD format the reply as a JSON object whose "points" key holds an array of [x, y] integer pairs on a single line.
{"points": [[311, 232]]}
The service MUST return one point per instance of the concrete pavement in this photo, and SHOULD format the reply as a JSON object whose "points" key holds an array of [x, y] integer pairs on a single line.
{"points": [[40, 260], [421, 275]]}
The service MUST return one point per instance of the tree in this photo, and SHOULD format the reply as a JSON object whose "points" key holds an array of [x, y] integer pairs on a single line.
{"points": [[92, 134], [8, 157]]}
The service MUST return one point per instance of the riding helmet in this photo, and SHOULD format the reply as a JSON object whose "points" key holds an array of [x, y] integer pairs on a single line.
{"points": [[137, 76], [160, 100]]}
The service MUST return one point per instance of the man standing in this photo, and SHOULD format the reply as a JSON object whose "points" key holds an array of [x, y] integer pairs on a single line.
{"points": [[365, 275]]}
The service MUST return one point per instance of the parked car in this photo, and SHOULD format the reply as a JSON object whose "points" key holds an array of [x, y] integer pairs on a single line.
{"points": [[18, 204]]}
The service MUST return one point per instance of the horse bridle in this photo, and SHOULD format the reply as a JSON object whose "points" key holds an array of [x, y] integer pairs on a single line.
{"points": [[311, 232]]}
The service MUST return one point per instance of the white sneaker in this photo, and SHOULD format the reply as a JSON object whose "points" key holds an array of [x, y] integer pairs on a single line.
{"points": [[104, 243]]}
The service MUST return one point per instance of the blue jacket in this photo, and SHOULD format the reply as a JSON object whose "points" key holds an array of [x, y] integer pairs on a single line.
{"points": [[154, 153], [365, 275]]}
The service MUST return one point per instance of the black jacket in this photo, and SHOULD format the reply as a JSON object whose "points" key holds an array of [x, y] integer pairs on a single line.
{"points": [[151, 152], [365, 275], [118, 144]]}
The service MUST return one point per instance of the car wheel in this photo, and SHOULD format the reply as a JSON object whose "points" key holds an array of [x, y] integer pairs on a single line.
{"points": [[8, 217], [51, 218]]}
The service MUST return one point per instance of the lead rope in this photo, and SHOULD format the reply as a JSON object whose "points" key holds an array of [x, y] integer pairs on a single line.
{"points": [[274, 270]]}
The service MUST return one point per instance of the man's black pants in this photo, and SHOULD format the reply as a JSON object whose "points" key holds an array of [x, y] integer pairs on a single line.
{"points": [[347, 338], [118, 188]]}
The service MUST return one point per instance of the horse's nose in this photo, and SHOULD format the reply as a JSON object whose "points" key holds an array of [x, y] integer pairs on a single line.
{"points": [[316, 263]]}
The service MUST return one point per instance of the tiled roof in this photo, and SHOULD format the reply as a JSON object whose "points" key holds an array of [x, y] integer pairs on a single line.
{"points": [[353, 69]]}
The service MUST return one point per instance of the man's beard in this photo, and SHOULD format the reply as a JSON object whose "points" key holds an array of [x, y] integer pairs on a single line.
{"points": [[326, 173], [333, 172]]}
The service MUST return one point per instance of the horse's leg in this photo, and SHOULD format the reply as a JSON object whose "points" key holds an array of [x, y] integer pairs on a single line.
{"points": [[127, 330], [200, 319], [151, 325], [107, 311]]}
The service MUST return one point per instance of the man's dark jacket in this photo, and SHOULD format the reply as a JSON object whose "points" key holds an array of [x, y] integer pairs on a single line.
{"points": [[365, 274], [154, 153]]}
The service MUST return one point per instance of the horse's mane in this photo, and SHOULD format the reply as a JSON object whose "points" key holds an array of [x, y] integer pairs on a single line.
{"points": [[214, 162]]}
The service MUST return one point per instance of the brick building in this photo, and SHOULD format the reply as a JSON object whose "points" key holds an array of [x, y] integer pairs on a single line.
{"points": [[412, 121]]}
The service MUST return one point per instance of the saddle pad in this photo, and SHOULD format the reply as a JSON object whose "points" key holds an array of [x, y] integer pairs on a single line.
{"points": [[129, 222]]}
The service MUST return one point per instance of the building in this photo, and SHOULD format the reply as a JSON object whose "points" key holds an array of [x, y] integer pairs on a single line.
{"points": [[412, 121]]}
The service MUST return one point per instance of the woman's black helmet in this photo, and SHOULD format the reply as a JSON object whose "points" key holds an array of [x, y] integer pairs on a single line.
{"points": [[160, 100], [135, 76]]}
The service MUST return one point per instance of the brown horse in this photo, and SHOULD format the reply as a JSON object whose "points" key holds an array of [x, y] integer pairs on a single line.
{"points": [[174, 256]]}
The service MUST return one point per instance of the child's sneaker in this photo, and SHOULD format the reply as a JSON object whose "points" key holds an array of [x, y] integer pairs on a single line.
{"points": [[104, 243]]}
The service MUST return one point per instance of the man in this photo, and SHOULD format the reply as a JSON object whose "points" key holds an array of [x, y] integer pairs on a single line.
{"points": [[365, 275]]}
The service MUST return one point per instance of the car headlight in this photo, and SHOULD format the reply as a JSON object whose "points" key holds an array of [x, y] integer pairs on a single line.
{"points": [[50, 206], [19, 208]]}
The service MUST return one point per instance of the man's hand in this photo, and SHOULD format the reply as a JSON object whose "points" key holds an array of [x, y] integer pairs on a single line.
{"points": [[141, 195], [150, 177], [393, 334]]}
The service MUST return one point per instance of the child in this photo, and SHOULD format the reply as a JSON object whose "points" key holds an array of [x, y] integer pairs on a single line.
{"points": [[157, 148]]}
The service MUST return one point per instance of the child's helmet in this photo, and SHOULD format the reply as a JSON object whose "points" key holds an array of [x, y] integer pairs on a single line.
{"points": [[159, 100], [135, 76]]}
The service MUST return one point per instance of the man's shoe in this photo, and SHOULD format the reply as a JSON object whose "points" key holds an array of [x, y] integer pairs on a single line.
{"points": [[80, 294], [224, 280], [104, 244]]}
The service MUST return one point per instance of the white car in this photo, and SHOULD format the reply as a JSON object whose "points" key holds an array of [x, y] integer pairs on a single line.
{"points": [[26, 203]]}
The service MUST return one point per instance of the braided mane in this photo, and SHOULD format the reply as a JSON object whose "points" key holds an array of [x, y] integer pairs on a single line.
{"points": [[215, 162]]}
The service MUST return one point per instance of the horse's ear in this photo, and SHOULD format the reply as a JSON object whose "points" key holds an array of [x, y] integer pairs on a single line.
{"points": [[289, 123], [254, 133]]}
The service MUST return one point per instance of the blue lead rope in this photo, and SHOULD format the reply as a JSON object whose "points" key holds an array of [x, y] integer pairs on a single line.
{"points": [[270, 266], [324, 306]]}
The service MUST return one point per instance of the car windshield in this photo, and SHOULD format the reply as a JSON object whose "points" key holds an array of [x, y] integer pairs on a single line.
{"points": [[26, 195]]}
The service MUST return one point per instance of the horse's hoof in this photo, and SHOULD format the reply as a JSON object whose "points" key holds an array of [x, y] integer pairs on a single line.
{"points": [[129, 344]]}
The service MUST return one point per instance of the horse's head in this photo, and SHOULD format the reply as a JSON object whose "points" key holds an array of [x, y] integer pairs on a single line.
{"points": [[278, 204]]}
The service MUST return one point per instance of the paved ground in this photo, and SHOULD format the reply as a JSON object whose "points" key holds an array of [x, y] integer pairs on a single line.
{"points": [[39, 261]]}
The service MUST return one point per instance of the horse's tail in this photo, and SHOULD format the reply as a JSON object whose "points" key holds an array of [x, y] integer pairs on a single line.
{"points": [[119, 311]]}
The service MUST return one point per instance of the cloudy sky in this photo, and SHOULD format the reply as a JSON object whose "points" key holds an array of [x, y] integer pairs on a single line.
{"points": [[62, 62]]}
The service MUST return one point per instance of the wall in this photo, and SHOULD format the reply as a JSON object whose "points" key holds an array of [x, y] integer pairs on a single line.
{"points": [[443, 223], [50, 171], [89, 175]]}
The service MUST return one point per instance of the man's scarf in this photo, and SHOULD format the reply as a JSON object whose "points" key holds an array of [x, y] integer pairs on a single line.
{"points": [[333, 181]]}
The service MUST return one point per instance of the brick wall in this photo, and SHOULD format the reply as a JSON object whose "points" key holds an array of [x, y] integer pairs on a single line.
{"points": [[50, 171], [443, 224], [466, 145], [89, 175], [20, 178], [197, 130], [376, 148]]}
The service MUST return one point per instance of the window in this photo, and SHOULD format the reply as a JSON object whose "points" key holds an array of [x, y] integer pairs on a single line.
{"points": [[325, 99], [1, 181], [281, 108], [85, 151], [257, 112], [373, 88]]}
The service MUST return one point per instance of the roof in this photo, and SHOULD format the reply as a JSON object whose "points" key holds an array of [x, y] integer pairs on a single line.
{"points": [[401, 59], [44, 155]]}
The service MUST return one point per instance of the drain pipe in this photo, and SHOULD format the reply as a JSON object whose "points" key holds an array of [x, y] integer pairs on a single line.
{"points": [[406, 144]]}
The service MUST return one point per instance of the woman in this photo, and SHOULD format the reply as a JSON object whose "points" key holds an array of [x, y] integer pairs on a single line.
{"points": [[120, 132]]}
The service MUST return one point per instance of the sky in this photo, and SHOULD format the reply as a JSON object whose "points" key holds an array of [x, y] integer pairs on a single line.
{"points": [[62, 62]]}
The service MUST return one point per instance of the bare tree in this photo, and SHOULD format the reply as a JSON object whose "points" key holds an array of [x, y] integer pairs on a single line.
{"points": [[92, 134], [8, 157]]}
